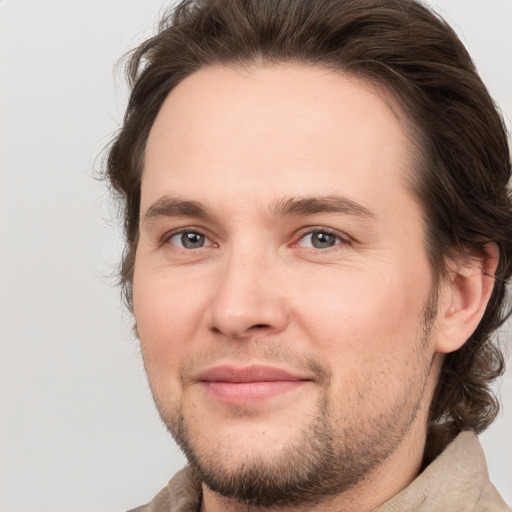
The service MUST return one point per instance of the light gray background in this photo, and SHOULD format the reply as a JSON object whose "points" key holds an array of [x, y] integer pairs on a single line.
{"points": [[78, 431]]}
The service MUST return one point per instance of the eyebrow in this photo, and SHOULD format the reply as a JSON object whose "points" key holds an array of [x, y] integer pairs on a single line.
{"points": [[176, 207], [293, 206], [297, 206]]}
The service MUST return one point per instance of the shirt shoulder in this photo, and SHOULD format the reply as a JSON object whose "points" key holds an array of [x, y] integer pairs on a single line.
{"points": [[456, 480], [182, 494]]}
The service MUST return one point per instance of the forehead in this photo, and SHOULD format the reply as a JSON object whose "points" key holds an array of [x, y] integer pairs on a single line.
{"points": [[274, 130]]}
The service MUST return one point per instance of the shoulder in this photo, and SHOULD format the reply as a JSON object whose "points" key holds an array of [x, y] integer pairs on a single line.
{"points": [[182, 494], [456, 480], [160, 503]]}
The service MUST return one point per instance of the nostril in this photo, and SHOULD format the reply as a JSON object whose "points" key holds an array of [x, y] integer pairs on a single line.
{"points": [[260, 326]]}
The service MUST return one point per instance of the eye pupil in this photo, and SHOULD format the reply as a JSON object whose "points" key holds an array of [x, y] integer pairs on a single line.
{"points": [[192, 240], [323, 240]]}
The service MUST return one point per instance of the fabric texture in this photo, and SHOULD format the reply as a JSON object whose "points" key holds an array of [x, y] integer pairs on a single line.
{"points": [[456, 481]]}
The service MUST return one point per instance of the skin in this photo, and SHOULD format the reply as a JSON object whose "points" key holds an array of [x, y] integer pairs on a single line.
{"points": [[346, 316]]}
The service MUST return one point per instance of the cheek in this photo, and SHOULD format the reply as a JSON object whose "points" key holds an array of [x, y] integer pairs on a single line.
{"points": [[367, 326], [369, 333], [168, 313], [359, 311]]}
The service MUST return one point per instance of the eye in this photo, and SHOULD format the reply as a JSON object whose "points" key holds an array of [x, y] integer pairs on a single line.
{"points": [[320, 239], [189, 240]]}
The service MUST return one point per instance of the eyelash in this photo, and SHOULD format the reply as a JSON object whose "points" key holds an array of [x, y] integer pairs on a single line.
{"points": [[340, 240], [166, 239]]}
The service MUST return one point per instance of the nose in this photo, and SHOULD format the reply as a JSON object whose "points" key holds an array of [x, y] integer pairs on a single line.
{"points": [[248, 300]]}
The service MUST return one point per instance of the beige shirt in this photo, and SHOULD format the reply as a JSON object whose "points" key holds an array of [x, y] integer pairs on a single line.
{"points": [[456, 481]]}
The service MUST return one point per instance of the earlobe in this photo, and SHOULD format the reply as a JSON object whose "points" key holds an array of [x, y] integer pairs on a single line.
{"points": [[465, 296]]}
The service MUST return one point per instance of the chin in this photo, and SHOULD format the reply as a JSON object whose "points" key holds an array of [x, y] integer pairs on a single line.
{"points": [[267, 465]]}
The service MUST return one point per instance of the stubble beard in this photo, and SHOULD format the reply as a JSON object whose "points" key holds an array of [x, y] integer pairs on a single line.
{"points": [[329, 456], [320, 463]]}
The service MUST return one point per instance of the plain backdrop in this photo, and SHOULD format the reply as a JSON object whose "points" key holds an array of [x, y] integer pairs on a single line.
{"points": [[78, 430]]}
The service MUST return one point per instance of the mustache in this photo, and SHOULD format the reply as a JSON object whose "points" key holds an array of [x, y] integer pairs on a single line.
{"points": [[254, 352]]}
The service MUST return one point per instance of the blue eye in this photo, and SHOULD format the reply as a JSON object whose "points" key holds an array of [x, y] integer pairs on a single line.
{"points": [[320, 240], [189, 240]]}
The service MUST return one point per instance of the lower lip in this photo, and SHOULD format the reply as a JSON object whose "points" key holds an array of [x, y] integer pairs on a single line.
{"points": [[243, 393]]}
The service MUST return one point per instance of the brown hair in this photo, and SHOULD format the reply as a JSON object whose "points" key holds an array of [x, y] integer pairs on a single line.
{"points": [[463, 156]]}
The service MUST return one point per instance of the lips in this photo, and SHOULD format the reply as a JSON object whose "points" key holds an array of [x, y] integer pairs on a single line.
{"points": [[245, 385], [254, 373]]}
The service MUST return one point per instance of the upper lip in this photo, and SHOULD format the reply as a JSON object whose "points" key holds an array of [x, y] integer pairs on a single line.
{"points": [[252, 373]]}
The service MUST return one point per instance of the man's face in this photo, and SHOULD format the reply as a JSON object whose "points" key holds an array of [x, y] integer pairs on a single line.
{"points": [[281, 283]]}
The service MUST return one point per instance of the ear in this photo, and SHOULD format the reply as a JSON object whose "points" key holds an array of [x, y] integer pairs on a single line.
{"points": [[464, 297]]}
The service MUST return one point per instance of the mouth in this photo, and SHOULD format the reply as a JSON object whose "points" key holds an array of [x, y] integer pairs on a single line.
{"points": [[249, 384]]}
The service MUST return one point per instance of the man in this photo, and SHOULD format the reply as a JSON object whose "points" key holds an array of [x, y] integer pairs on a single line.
{"points": [[319, 237]]}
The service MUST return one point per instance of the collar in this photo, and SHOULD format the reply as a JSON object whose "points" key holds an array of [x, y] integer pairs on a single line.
{"points": [[457, 480]]}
